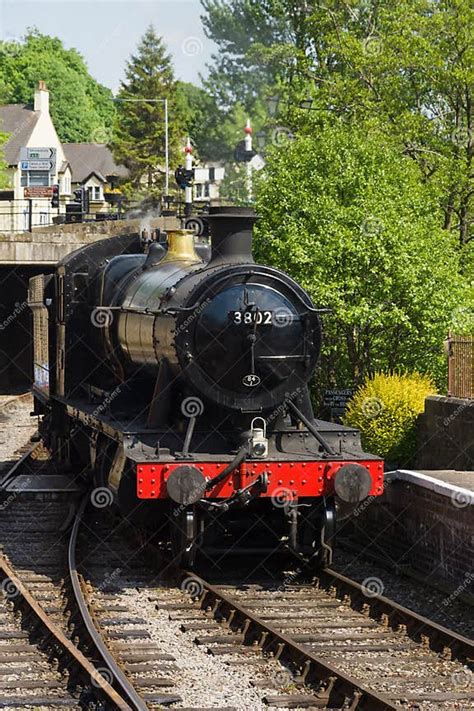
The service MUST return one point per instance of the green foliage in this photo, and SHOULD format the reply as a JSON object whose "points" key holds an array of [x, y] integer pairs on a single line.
{"points": [[236, 27], [81, 108], [234, 187], [351, 219], [139, 137], [197, 109], [463, 316], [215, 131], [385, 409], [4, 179], [409, 65]]}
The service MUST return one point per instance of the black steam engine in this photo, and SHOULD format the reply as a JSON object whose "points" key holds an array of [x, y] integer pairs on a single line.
{"points": [[175, 375]]}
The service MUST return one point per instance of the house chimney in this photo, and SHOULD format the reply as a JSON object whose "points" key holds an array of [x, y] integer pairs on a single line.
{"points": [[42, 97]]}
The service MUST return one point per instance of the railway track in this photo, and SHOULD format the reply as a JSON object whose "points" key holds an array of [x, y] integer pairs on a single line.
{"points": [[129, 657], [71, 630], [17, 432], [344, 646], [41, 664], [57, 647], [41, 668], [430, 595]]}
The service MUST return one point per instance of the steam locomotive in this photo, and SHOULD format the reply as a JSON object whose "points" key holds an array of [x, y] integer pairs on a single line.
{"points": [[174, 375]]}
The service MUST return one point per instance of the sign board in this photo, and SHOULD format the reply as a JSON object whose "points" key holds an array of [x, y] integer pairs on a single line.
{"points": [[337, 399], [38, 154], [37, 165], [38, 191]]}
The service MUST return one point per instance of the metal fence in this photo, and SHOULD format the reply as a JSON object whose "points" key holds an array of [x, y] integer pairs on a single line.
{"points": [[27, 215], [461, 366]]}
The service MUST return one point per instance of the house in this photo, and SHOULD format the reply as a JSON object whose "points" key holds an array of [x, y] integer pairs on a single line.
{"points": [[37, 160], [30, 127], [207, 181], [93, 167]]}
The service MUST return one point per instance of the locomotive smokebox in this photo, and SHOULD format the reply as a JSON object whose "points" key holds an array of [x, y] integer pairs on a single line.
{"points": [[231, 234]]}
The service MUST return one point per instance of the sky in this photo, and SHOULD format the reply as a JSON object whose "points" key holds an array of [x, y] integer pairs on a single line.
{"points": [[106, 32]]}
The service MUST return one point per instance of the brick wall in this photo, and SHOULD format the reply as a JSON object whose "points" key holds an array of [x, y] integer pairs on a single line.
{"points": [[430, 532]]}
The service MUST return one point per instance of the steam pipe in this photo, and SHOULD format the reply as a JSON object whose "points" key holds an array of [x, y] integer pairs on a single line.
{"points": [[237, 461], [311, 428]]}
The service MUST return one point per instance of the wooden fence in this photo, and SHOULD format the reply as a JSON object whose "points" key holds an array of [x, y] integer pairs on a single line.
{"points": [[461, 366]]}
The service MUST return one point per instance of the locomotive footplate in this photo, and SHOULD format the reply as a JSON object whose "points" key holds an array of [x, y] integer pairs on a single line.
{"points": [[298, 479]]}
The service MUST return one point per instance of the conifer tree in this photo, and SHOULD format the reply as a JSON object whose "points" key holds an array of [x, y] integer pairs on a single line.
{"points": [[139, 136]]}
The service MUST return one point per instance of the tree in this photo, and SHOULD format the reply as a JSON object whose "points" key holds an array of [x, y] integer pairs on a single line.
{"points": [[139, 137], [350, 217], [214, 131], [409, 65], [237, 74], [81, 108]]}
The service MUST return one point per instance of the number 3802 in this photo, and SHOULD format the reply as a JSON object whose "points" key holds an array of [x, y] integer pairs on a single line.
{"points": [[251, 317]]}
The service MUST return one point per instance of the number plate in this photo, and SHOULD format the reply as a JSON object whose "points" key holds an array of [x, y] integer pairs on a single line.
{"points": [[250, 318]]}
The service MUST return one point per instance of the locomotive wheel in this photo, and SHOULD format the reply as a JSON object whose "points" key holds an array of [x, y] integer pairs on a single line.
{"points": [[184, 533], [328, 532], [318, 534], [103, 465]]}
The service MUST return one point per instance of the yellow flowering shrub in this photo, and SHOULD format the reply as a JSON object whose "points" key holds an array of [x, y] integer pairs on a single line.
{"points": [[385, 409]]}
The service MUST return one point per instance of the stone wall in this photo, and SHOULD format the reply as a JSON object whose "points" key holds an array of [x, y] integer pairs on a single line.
{"points": [[446, 434]]}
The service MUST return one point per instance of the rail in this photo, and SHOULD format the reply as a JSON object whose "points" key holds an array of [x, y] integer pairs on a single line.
{"points": [[329, 685], [126, 687], [335, 687], [55, 639], [420, 629]]}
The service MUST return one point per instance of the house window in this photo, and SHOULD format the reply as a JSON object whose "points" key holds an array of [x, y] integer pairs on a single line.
{"points": [[212, 174], [95, 193], [206, 190], [198, 190], [43, 218]]}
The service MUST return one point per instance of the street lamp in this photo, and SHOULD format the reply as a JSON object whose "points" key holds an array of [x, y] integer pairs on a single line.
{"points": [[273, 103], [167, 158]]}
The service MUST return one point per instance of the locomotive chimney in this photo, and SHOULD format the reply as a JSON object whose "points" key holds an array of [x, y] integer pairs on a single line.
{"points": [[231, 234]]}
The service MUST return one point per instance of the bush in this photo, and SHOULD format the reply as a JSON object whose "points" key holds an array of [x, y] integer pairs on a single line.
{"points": [[385, 409]]}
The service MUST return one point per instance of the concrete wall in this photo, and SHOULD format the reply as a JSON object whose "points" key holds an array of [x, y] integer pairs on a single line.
{"points": [[446, 434], [50, 244]]}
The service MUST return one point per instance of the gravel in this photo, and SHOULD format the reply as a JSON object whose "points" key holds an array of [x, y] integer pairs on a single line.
{"points": [[16, 425], [202, 680]]}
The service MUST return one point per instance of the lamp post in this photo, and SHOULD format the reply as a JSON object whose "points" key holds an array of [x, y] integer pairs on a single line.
{"points": [[167, 157], [249, 150], [188, 191]]}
